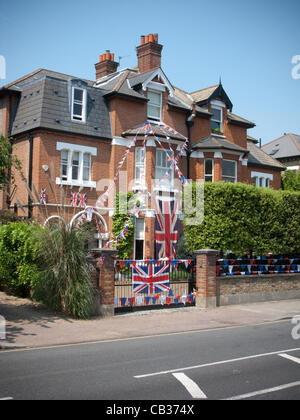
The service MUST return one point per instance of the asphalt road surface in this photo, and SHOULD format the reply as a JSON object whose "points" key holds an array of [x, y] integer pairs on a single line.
{"points": [[252, 362]]}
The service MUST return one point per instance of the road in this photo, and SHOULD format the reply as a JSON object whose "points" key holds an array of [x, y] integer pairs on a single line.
{"points": [[252, 362]]}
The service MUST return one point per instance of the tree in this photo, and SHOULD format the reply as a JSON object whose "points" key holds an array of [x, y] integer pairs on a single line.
{"points": [[291, 181], [7, 161]]}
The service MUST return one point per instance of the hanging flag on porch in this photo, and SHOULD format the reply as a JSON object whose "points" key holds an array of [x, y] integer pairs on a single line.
{"points": [[43, 196], [81, 200], [150, 278], [73, 199], [166, 224]]}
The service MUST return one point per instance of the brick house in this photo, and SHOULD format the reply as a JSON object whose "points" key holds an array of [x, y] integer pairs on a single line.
{"points": [[75, 132], [286, 149]]}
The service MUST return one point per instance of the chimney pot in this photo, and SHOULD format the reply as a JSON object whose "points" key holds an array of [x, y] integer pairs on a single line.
{"points": [[151, 38], [146, 39], [155, 37], [142, 39]]}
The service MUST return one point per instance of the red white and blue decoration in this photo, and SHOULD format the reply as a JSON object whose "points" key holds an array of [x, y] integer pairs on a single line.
{"points": [[257, 266], [150, 278], [43, 196], [166, 225]]}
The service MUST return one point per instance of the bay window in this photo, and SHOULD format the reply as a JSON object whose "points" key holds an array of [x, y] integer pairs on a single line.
{"points": [[164, 173], [208, 170]]}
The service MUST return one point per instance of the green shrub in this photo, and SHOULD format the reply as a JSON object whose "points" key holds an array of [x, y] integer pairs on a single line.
{"points": [[18, 255], [242, 218], [66, 284]]}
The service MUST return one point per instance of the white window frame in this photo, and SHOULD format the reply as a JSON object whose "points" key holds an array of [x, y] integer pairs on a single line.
{"points": [[154, 117], [163, 182], [76, 117], [212, 169], [262, 179], [71, 149], [235, 166], [142, 234], [141, 165], [219, 108]]}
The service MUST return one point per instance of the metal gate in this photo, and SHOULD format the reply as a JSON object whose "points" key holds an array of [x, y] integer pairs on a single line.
{"points": [[182, 285]]}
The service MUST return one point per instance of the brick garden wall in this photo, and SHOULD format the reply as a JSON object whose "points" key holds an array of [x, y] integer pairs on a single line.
{"points": [[246, 289]]}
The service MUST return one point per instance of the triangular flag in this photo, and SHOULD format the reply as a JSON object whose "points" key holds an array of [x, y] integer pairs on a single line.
{"points": [[162, 299], [123, 301], [139, 300], [168, 300], [131, 301], [147, 299], [170, 293]]}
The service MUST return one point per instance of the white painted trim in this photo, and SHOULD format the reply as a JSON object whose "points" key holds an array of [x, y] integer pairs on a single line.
{"points": [[218, 155], [76, 183], [161, 75], [156, 86], [197, 155], [245, 162], [261, 175], [120, 141], [293, 168], [76, 148], [150, 143], [84, 102], [217, 103]]}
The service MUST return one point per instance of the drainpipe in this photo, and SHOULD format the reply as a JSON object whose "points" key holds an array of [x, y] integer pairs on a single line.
{"points": [[189, 123], [30, 138]]}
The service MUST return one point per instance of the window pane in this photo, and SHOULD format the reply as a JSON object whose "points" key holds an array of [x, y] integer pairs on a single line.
{"points": [[75, 165], [87, 160], [216, 114], [153, 111], [208, 167], [228, 168], [154, 98], [78, 95], [215, 125], [77, 109], [86, 174], [208, 178]]}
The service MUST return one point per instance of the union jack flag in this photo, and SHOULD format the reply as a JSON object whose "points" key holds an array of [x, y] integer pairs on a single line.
{"points": [[43, 196], [166, 223], [73, 199], [81, 200], [150, 278]]}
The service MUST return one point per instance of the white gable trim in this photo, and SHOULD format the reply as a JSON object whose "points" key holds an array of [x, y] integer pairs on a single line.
{"points": [[160, 74]]}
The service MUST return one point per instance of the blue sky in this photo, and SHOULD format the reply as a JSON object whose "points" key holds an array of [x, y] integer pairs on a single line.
{"points": [[249, 44]]}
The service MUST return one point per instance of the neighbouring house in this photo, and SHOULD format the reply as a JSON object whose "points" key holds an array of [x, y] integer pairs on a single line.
{"points": [[286, 149], [75, 132]]}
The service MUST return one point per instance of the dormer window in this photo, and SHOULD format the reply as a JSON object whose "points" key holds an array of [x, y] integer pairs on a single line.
{"points": [[154, 105], [78, 104], [216, 119]]}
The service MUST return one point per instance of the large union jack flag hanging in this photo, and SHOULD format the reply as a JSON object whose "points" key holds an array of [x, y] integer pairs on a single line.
{"points": [[150, 278], [166, 225]]}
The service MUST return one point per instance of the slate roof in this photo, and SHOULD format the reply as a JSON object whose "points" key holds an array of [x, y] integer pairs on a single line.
{"points": [[215, 142], [239, 120], [258, 157], [45, 102], [138, 129], [286, 146]]}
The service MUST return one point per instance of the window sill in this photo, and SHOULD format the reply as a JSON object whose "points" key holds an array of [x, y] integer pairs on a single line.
{"points": [[76, 183]]}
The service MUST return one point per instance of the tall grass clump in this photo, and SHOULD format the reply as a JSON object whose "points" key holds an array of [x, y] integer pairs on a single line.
{"points": [[66, 284]]}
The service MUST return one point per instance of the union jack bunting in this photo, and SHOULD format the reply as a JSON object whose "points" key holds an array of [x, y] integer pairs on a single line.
{"points": [[166, 223], [81, 200], [73, 199], [150, 278], [43, 196]]}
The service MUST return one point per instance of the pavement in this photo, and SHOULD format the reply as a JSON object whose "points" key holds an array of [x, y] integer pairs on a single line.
{"points": [[31, 325]]}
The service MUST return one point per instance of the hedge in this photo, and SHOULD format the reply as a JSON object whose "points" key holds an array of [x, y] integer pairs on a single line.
{"points": [[242, 218], [18, 258]]}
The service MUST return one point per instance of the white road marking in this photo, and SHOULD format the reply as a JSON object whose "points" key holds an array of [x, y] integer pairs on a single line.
{"points": [[264, 391], [6, 399], [287, 356], [255, 356], [190, 385]]}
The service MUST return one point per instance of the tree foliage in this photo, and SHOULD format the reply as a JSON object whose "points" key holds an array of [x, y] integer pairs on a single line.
{"points": [[7, 161], [291, 181]]}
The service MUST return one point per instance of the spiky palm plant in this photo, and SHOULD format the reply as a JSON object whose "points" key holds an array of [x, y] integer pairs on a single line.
{"points": [[66, 281]]}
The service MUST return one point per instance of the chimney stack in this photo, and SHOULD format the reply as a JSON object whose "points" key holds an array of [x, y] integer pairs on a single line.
{"points": [[106, 65], [149, 53]]}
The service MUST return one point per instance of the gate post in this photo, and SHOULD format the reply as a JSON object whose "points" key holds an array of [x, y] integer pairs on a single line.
{"points": [[206, 278], [106, 281]]}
